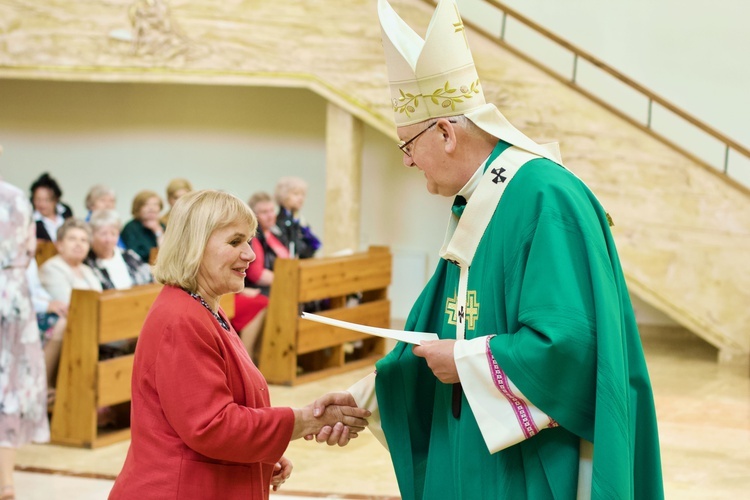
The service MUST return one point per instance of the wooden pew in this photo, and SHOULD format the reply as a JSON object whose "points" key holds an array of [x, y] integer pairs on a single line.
{"points": [[296, 350], [84, 382], [44, 251], [152, 255]]}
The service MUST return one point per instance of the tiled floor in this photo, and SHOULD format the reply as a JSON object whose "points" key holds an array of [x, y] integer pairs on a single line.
{"points": [[704, 422]]}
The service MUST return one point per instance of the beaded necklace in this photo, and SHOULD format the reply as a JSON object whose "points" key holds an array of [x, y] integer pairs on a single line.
{"points": [[216, 315]]}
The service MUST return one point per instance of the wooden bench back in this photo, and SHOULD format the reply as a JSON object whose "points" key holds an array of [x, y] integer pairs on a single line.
{"points": [[291, 345], [45, 250], [85, 383]]}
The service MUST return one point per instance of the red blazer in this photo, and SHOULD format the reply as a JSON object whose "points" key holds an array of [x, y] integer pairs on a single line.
{"points": [[201, 422]]}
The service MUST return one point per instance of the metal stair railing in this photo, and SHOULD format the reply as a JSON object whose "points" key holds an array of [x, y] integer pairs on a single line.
{"points": [[572, 81]]}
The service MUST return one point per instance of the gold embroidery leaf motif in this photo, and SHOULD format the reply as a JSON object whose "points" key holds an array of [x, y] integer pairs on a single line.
{"points": [[408, 103]]}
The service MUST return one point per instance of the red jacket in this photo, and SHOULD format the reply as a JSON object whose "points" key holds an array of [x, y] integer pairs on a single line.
{"points": [[201, 422]]}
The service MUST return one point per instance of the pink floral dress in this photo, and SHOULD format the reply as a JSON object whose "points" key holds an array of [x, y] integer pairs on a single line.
{"points": [[23, 382]]}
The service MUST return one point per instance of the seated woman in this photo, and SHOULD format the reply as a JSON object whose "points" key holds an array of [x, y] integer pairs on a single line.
{"points": [[296, 233], [251, 303], [49, 211], [145, 231], [266, 244], [99, 197], [202, 425], [66, 271], [114, 267], [175, 190]]}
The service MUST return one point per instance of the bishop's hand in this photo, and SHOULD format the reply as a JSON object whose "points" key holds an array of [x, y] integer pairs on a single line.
{"points": [[439, 357]]}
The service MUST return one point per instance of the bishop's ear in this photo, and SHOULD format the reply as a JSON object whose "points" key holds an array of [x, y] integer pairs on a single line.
{"points": [[447, 128]]}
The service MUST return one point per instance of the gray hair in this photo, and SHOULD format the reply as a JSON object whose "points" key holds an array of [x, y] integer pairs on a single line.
{"points": [[72, 223], [258, 197], [286, 185], [96, 192], [104, 218], [470, 127]]}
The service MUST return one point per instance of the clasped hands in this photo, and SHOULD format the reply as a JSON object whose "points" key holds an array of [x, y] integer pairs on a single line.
{"points": [[333, 418], [439, 357]]}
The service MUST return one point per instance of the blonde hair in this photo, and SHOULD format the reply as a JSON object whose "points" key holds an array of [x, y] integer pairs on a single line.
{"points": [[176, 185], [97, 191], [286, 185], [194, 218], [141, 198]]}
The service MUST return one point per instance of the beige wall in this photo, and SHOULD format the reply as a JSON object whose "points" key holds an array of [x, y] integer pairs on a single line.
{"points": [[239, 139], [139, 136]]}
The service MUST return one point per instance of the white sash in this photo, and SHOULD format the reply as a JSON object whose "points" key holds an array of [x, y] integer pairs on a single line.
{"points": [[463, 235]]}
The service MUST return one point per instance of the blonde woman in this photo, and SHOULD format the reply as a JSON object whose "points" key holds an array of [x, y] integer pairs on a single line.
{"points": [[202, 424], [175, 190]]}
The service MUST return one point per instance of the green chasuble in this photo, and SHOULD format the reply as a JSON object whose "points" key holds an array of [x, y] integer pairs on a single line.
{"points": [[546, 281]]}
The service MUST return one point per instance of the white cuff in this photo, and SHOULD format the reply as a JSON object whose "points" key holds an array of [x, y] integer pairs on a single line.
{"points": [[363, 392], [504, 415]]}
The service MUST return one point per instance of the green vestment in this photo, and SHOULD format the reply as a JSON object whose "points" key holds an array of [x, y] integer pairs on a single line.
{"points": [[546, 281]]}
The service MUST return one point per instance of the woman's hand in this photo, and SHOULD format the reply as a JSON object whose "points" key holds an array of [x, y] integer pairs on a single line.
{"points": [[153, 224], [281, 472], [58, 307], [338, 434]]}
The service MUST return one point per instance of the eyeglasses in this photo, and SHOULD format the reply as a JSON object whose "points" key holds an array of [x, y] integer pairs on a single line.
{"points": [[404, 145]]}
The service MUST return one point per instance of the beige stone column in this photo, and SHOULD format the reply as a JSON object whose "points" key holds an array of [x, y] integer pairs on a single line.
{"points": [[343, 180]]}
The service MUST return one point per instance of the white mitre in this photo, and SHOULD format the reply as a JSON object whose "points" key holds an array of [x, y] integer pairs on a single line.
{"points": [[436, 77]]}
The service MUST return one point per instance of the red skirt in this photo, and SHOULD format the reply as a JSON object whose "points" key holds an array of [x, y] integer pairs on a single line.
{"points": [[246, 308]]}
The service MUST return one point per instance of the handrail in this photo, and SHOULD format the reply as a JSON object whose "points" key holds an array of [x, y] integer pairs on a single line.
{"points": [[729, 144]]}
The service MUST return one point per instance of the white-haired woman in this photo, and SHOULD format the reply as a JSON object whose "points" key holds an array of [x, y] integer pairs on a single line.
{"points": [[99, 197], [114, 267], [296, 233], [201, 424]]}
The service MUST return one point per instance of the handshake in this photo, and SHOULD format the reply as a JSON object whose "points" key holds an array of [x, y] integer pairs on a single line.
{"points": [[333, 418]]}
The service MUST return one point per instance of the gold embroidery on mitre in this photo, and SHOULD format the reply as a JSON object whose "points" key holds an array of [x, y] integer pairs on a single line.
{"points": [[408, 103]]}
